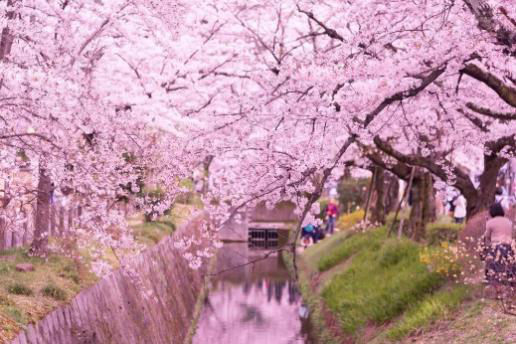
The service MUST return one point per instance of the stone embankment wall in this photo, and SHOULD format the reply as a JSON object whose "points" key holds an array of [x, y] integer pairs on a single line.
{"points": [[152, 304]]}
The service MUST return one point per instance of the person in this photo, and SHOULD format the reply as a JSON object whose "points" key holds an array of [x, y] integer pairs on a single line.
{"points": [[451, 205], [331, 216], [459, 213], [319, 233], [308, 232], [498, 238], [502, 197]]}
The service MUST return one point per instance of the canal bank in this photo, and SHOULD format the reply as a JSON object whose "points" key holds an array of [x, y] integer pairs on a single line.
{"points": [[366, 287], [319, 320], [153, 301]]}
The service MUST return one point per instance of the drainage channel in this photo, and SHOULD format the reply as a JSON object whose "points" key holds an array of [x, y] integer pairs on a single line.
{"points": [[254, 303]]}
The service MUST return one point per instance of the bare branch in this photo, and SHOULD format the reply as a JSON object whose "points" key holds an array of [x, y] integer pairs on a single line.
{"points": [[327, 31], [503, 117]]}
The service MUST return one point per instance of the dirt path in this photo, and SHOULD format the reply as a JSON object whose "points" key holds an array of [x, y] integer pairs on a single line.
{"points": [[479, 322]]}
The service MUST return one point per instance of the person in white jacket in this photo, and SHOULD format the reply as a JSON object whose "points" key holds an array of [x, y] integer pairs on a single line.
{"points": [[459, 213]]}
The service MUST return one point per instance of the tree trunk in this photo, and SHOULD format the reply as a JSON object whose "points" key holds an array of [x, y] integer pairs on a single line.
{"points": [[39, 245], [369, 194], [423, 205], [378, 211], [7, 38], [485, 195], [393, 193], [206, 166]]}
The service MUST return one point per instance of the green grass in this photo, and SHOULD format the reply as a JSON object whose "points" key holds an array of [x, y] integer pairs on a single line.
{"points": [[152, 232], [385, 278], [431, 308], [19, 302], [19, 288], [70, 271], [313, 254], [53, 291], [59, 278], [355, 243], [403, 214], [440, 231], [16, 314]]}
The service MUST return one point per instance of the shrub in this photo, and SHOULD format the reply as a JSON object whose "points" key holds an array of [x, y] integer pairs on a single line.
{"points": [[439, 232], [442, 259], [19, 289], [54, 292], [352, 193], [347, 221], [323, 203]]}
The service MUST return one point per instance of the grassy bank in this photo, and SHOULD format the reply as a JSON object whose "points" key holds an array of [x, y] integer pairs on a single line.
{"points": [[319, 332], [26, 297], [378, 288]]}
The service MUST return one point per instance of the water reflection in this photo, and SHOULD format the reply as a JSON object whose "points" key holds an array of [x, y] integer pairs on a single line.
{"points": [[252, 304]]}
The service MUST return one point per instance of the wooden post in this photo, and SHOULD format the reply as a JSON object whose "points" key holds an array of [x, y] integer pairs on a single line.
{"points": [[370, 193]]}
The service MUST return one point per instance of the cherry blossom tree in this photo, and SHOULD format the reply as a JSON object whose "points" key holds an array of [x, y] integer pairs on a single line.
{"points": [[291, 86], [83, 108], [277, 96]]}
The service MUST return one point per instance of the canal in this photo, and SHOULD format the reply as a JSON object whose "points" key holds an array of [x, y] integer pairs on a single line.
{"points": [[251, 303]]}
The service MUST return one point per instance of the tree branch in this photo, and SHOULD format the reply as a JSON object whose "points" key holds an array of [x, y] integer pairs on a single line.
{"points": [[411, 92], [503, 117], [505, 92], [462, 181], [327, 31]]}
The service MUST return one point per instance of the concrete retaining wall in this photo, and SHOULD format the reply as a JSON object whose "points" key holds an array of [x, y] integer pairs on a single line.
{"points": [[282, 212], [118, 309]]}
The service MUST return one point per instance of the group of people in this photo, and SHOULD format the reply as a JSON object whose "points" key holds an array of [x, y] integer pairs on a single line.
{"points": [[498, 240], [316, 232]]}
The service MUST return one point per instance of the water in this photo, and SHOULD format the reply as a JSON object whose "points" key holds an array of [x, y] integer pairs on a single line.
{"points": [[252, 304]]}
